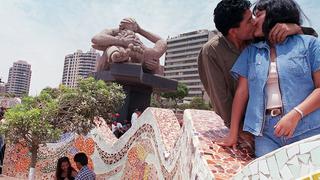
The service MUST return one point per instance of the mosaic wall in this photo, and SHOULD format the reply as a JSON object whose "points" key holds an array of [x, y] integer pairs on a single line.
{"points": [[158, 148], [300, 160], [155, 148]]}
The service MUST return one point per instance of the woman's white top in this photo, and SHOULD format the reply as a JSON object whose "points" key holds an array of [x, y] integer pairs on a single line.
{"points": [[273, 91]]}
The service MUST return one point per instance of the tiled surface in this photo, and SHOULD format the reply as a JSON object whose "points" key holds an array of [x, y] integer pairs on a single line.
{"points": [[156, 147], [168, 126], [3, 177], [222, 162], [294, 161]]}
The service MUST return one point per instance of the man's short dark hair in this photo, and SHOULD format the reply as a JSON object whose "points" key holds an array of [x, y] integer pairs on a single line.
{"points": [[81, 158], [229, 13]]}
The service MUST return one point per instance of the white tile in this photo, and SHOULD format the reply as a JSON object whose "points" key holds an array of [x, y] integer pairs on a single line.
{"points": [[285, 173], [295, 170], [262, 177], [255, 177], [254, 168], [263, 167], [304, 158], [304, 170], [238, 176], [308, 146], [294, 160], [312, 168], [293, 151], [281, 158], [273, 167], [315, 156], [246, 171]]}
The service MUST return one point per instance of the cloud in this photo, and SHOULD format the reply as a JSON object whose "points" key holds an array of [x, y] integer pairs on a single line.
{"points": [[311, 9], [43, 32]]}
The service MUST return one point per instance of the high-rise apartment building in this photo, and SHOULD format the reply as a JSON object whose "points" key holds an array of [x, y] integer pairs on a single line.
{"points": [[181, 60], [2, 87], [78, 65], [19, 78]]}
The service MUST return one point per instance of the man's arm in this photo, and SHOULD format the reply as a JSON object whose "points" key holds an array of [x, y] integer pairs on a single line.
{"points": [[281, 30], [309, 31]]}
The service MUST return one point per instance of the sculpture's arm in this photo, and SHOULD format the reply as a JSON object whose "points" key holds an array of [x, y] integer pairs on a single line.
{"points": [[160, 46], [107, 38]]}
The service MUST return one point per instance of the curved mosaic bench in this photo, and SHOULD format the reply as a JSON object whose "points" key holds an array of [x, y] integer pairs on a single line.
{"points": [[155, 148], [297, 160]]}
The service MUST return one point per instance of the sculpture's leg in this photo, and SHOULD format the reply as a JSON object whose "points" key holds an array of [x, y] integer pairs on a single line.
{"points": [[151, 65], [135, 53], [103, 62], [135, 56]]}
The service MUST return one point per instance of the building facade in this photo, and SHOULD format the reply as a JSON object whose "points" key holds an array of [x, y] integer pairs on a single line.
{"points": [[19, 79], [78, 65], [181, 60], [2, 87]]}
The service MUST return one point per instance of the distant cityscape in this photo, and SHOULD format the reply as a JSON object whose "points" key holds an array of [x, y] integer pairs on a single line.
{"points": [[180, 64]]}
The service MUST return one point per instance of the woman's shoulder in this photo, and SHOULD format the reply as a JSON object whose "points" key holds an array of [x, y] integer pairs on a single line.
{"points": [[302, 38], [302, 41]]}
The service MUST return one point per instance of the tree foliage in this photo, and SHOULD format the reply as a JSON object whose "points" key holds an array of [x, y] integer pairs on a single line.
{"points": [[161, 102], [42, 119], [79, 106], [182, 92], [198, 103], [31, 120]]}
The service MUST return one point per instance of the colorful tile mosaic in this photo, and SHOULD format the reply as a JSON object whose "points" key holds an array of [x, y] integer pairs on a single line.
{"points": [[222, 162], [157, 147], [294, 161]]}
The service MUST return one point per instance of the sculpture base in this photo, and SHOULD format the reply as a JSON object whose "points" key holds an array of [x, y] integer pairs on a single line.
{"points": [[137, 85]]}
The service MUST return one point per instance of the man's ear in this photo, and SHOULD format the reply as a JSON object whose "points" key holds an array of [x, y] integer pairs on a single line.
{"points": [[233, 32]]}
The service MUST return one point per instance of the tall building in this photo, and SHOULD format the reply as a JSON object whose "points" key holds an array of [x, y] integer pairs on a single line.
{"points": [[78, 65], [181, 60], [2, 87], [19, 78]]}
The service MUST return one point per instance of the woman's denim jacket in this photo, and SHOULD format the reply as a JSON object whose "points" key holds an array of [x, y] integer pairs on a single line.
{"points": [[298, 57]]}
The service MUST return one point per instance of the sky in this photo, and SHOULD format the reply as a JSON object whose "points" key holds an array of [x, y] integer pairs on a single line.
{"points": [[44, 32]]}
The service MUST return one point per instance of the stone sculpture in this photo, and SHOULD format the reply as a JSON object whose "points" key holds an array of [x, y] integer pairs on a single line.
{"points": [[122, 45]]}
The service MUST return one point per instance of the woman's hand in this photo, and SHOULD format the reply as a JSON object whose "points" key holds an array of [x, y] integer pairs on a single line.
{"points": [[287, 124]]}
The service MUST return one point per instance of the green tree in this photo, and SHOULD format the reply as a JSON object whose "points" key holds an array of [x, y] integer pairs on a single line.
{"points": [[199, 103], [155, 100], [184, 106], [42, 119], [182, 92], [79, 106], [8, 95]]}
